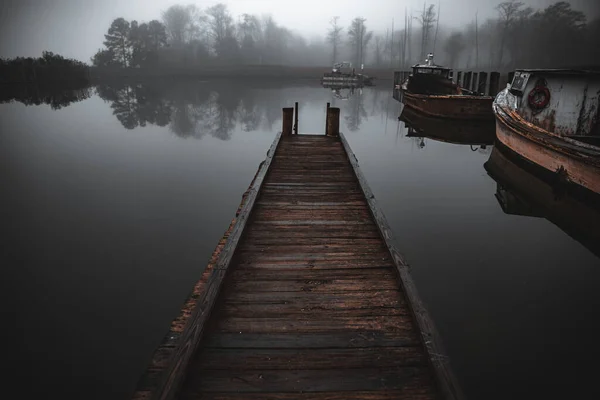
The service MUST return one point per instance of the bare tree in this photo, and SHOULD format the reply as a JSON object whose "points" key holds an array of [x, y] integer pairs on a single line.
{"points": [[426, 19], [379, 45], [454, 45], [508, 12], [334, 37], [358, 38], [183, 24]]}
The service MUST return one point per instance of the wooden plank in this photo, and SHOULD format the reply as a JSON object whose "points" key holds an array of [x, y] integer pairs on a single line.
{"points": [[294, 340], [322, 232], [412, 393], [355, 309], [444, 375], [278, 241], [314, 285], [286, 359], [325, 264], [310, 325], [310, 380], [339, 258], [249, 273], [347, 300]]}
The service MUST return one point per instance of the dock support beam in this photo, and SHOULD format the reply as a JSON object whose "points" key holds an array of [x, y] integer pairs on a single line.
{"points": [[482, 83], [296, 118], [474, 82], [494, 83], [333, 121], [467, 80], [288, 120], [326, 119]]}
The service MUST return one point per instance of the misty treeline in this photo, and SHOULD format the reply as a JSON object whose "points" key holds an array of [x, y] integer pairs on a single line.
{"points": [[48, 69], [188, 35], [518, 37], [198, 110]]}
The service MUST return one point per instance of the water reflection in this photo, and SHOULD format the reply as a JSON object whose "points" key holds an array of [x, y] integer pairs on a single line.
{"points": [[55, 97], [477, 134], [193, 110], [522, 189]]}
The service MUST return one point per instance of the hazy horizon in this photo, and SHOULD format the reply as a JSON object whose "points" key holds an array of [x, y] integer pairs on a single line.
{"points": [[76, 29]]}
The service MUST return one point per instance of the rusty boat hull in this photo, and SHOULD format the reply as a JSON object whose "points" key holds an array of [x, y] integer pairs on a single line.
{"points": [[449, 131], [451, 106], [569, 159]]}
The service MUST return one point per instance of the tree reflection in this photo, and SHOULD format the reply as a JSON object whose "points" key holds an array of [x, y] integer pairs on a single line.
{"points": [[55, 97], [200, 109], [356, 111], [136, 105]]}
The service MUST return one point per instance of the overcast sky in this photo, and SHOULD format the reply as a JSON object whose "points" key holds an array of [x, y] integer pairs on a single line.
{"points": [[75, 28]]}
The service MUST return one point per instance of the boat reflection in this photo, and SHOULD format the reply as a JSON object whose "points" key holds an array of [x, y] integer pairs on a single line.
{"points": [[525, 189], [343, 92], [474, 133]]}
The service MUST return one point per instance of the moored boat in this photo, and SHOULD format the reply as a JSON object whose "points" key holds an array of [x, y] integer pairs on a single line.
{"points": [[551, 118], [430, 89], [338, 77]]}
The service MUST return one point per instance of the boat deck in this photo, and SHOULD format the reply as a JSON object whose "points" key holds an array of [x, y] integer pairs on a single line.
{"points": [[313, 303]]}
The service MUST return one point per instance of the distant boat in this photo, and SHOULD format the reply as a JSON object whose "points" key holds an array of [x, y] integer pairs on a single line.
{"points": [[430, 90], [480, 132], [551, 118], [526, 189], [341, 78]]}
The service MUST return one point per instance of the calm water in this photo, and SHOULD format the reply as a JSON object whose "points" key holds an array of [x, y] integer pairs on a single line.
{"points": [[112, 205]]}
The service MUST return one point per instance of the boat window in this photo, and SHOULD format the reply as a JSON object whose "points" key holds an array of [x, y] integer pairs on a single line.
{"points": [[433, 71]]}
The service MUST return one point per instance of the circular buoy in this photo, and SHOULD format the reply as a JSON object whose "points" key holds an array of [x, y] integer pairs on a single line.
{"points": [[539, 97]]}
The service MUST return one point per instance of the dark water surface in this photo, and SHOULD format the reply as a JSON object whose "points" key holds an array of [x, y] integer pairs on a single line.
{"points": [[112, 205]]}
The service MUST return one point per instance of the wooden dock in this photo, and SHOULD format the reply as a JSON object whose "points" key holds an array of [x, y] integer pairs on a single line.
{"points": [[305, 297]]}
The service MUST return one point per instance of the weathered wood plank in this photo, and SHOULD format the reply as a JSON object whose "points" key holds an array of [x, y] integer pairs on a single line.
{"points": [[445, 378], [310, 380], [295, 340], [278, 241], [310, 325], [414, 392], [314, 264], [309, 359], [248, 273], [313, 285], [355, 309], [325, 301]]}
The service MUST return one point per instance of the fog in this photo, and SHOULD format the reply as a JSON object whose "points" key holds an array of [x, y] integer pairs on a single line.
{"points": [[76, 28]]}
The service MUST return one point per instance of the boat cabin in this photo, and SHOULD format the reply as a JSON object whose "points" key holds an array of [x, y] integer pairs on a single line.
{"points": [[429, 68], [431, 79]]}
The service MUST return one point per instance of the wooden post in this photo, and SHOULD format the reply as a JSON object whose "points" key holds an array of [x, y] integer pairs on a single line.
{"points": [[288, 119], [474, 82], [296, 118], [511, 75], [494, 83], [467, 80], [459, 78], [482, 83], [326, 114], [333, 121]]}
